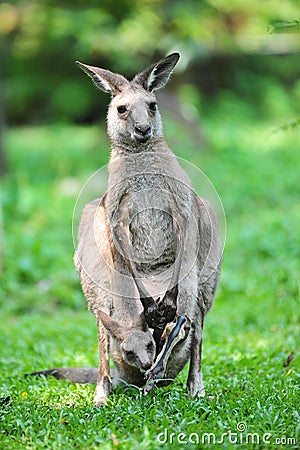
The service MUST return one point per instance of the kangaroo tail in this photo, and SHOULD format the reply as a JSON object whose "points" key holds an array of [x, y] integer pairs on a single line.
{"points": [[83, 375]]}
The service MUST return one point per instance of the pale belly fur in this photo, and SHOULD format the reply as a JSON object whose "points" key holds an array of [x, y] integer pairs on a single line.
{"points": [[152, 240]]}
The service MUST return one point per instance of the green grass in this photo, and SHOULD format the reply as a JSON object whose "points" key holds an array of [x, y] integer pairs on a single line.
{"points": [[251, 330]]}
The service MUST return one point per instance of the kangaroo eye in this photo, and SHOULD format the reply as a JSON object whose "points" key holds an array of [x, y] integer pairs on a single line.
{"points": [[130, 354], [149, 346], [152, 106], [121, 109]]}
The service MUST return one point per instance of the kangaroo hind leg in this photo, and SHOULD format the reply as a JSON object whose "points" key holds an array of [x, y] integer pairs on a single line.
{"points": [[195, 382], [104, 385]]}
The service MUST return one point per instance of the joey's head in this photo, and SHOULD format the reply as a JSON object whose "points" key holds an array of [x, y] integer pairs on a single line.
{"points": [[138, 349], [135, 342], [133, 118]]}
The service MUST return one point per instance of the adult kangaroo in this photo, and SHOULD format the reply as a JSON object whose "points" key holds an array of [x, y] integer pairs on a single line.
{"points": [[149, 253]]}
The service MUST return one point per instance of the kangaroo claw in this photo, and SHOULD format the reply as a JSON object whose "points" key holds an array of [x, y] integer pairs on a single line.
{"points": [[149, 386]]}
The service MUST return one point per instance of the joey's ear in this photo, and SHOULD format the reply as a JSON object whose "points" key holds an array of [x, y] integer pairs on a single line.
{"points": [[105, 80], [140, 322], [113, 327], [157, 75]]}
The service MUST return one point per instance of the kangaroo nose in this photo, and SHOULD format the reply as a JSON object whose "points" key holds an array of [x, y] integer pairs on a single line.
{"points": [[144, 130], [146, 366]]}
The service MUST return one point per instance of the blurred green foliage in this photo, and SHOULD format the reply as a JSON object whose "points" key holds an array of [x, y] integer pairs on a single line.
{"points": [[224, 43]]}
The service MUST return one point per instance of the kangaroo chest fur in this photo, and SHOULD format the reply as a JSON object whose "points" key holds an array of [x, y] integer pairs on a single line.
{"points": [[145, 207], [143, 198], [151, 227]]}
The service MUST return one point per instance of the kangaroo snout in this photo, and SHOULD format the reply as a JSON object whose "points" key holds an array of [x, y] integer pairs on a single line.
{"points": [[142, 132], [145, 366], [146, 359]]}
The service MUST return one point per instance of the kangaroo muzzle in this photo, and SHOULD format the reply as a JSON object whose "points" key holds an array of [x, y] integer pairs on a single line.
{"points": [[142, 132]]}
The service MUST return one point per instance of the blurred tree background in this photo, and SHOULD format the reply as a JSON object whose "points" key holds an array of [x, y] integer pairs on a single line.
{"points": [[229, 47]]}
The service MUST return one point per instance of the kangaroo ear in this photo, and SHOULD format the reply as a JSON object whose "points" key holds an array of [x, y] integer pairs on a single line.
{"points": [[157, 75], [105, 80], [140, 322], [112, 326]]}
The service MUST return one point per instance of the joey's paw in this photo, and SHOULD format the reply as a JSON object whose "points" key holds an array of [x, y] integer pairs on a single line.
{"points": [[149, 387], [150, 384]]}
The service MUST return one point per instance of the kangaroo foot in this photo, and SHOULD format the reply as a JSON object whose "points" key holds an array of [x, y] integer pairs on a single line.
{"points": [[195, 387], [157, 372], [103, 389]]}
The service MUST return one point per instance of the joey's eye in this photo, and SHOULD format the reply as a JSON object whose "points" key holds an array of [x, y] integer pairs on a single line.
{"points": [[152, 106], [121, 109], [130, 354]]}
